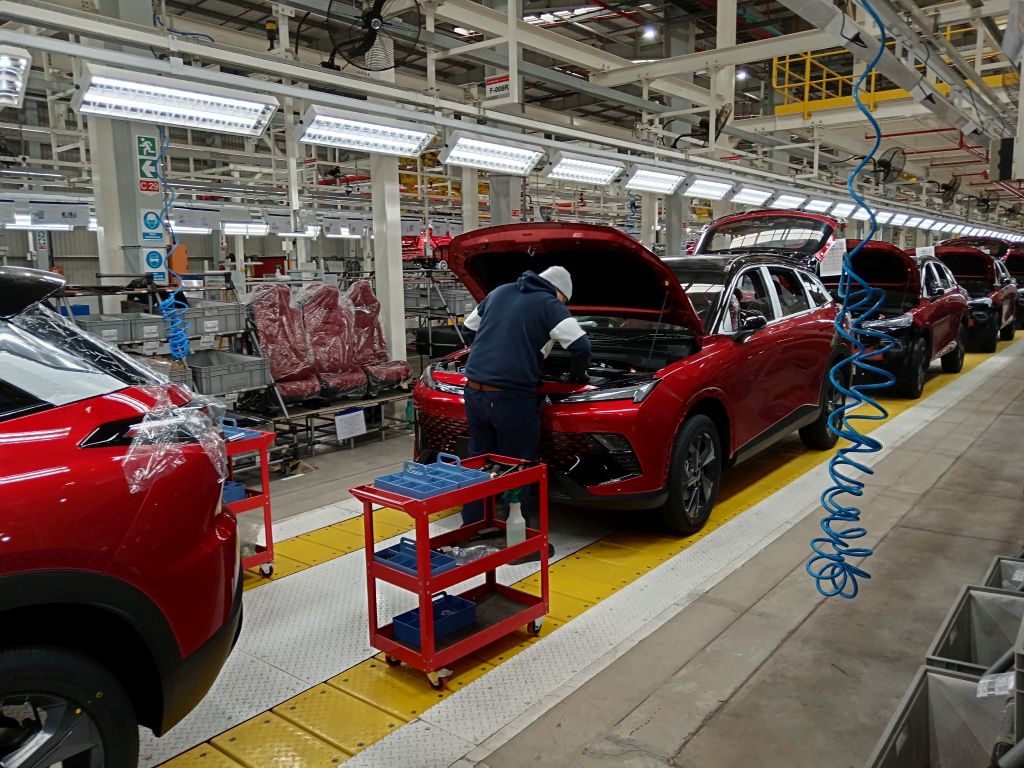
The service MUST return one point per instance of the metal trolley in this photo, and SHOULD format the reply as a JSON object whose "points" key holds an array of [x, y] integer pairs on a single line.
{"points": [[499, 610], [240, 442]]}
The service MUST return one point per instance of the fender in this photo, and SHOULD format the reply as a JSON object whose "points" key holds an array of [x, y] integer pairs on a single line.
{"points": [[105, 593]]}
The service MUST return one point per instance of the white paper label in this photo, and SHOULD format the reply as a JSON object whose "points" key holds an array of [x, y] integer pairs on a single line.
{"points": [[206, 342], [150, 347], [832, 262], [211, 326], [1018, 576], [926, 250], [151, 331], [108, 334], [349, 425], [995, 685]]}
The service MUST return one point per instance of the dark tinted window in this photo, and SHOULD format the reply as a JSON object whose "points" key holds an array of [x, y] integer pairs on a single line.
{"points": [[819, 295], [15, 402], [771, 233], [789, 290]]}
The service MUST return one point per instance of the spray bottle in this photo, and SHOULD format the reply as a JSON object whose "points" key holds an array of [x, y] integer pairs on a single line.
{"points": [[515, 525]]}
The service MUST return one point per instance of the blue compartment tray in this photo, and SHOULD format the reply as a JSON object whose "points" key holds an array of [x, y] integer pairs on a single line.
{"points": [[402, 557], [451, 613], [422, 481]]}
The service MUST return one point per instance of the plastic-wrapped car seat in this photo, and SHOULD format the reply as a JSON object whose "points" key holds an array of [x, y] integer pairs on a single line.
{"points": [[329, 322], [371, 351], [282, 341]]}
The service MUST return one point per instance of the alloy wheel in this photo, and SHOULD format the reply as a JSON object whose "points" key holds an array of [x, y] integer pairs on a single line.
{"points": [[40, 730], [700, 470]]}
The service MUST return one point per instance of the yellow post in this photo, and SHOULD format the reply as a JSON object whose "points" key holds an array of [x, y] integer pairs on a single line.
{"points": [[807, 87]]}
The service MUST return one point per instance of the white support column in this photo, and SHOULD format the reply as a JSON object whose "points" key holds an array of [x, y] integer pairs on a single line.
{"points": [[674, 207], [387, 250], [470, 199], [724, 90], [506, 199], [648, 218], [294, 182]]}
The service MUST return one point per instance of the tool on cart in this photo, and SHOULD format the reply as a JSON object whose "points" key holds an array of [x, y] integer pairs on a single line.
{"points": [[446, 627]]}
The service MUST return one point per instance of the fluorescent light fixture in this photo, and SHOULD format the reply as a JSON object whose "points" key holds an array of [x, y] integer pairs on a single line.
{"points": [[958, 229], [788, 202], [654, 180], [751, 196], [335, 128], [15, 64], [256, 228], [817, 205], [312, 230], [926, 224], [861, 214], [341, 233], [586, 170], [148, 98], [940, 226], [490, 154], [899, 219], [707, 189], [842, 210], [183, 229], [914, 221], [24, 221], [883, 217]]}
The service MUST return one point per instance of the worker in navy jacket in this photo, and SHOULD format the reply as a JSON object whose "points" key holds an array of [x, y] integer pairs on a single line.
{"points": [[511, 332]]}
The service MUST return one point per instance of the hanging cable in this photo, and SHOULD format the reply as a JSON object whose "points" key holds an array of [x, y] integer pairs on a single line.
{"points": [[829, 564]]}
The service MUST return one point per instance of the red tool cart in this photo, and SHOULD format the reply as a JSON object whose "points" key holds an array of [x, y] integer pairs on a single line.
{"points": [[499, 610], [238, 443]]}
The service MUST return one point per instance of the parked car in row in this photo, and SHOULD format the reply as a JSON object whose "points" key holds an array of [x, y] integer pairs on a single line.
{"points": [[698, 362], [118, 608], [992, 290], [1014, 263], [925, 311]]}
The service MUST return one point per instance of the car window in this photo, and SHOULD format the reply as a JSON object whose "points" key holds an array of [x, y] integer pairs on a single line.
{"points": [[749, 294], [15, 402], [790, 290], [932, 283], [1001, 272], [817, 291], [950, 278]]}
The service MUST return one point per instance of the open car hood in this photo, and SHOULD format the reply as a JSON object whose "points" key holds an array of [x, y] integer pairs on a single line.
{"points": [[612, 274], [883, 265]]}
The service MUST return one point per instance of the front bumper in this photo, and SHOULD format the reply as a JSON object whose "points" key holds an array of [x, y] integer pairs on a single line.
{"points": [[981, 321], [186, 685]]}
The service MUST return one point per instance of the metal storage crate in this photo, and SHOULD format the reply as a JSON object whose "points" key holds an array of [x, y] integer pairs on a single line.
{"points": [[982, 626], [176, 374], [110, 328], [206, 317], [940, 722], [147, 327], [218, 373], [1005, 573]]}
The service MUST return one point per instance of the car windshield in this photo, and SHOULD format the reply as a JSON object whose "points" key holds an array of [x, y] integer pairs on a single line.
{"points": [[47, 356], [703, 286], [794, 234]]}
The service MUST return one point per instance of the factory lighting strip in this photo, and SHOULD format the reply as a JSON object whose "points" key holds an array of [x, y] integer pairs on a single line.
{"points": [[300, 629]]}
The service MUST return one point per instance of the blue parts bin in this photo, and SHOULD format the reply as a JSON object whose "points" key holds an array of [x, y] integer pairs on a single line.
{"points": [[402, 557], [421, 481], [232, 492], [451, 614]]}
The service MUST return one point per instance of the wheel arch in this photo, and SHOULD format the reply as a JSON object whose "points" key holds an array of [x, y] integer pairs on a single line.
{"points": [[711, 405]]}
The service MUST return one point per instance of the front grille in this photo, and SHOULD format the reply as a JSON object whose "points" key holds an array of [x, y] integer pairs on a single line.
{"points": [[440, 433], [561, 451]]}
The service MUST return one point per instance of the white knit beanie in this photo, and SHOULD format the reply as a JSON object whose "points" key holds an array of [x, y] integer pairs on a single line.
{"points": [[560, 278]]}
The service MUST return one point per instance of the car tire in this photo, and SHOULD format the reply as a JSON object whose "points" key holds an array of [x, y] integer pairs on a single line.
{"points": [[991, 339], [1008, 331], [76, 692], [693, 476], [953, 362], [816, 435], [911, 383]]}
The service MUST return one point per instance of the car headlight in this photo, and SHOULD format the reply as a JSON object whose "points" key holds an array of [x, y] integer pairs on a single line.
{"points": [[889, 323], [428, 380], [637, 392]]}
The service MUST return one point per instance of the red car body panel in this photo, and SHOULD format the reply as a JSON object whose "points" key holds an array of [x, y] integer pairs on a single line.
{"points": [[993, 246], [775, 375]]}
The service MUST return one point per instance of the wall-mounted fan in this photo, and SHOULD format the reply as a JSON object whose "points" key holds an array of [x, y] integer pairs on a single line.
{"points": [[949, 189], [1013, 211], [889, 167], [369, 43], [987, 201]]}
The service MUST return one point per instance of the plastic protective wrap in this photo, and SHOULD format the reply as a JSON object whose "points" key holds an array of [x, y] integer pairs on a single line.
{"points": [[328, 318], [371, 351], [283, 342], [160, 441]]}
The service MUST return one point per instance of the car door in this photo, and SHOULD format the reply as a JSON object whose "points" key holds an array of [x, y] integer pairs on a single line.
{"points": [[938, 287], [748, 364], [1007, 291]]}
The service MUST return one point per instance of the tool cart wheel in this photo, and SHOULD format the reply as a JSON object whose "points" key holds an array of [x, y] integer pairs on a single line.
{"points": [[533, 628], [267, 570], [392, 661], [437, 682]]}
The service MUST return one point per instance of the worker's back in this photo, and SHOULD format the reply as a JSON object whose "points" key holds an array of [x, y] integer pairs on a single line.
{"points": [[516, 322]]}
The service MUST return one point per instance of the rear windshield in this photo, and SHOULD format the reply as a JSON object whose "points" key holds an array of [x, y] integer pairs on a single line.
{"points": [[1015, 264], [769, 233], [50, 358]]}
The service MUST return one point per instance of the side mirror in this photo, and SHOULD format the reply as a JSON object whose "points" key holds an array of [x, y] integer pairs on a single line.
{"points": [[1008, 281], [935, 292], [750, 322]]}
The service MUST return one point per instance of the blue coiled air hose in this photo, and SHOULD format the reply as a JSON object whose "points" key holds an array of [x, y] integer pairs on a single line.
{"points": [[172, 309], [829, 564]]}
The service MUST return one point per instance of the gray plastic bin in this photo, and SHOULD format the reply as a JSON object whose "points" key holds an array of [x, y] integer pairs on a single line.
{"points": [[982, 625], [207, 317], [109, 328], [218, 373], [1005, 573], [940, 723], [147, 327]]}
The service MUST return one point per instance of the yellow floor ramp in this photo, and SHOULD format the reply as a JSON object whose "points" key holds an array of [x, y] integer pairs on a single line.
{"points": [[346, 714]]}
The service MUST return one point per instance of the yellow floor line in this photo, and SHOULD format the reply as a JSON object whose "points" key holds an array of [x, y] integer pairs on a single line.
{"points": [[350, 711]]}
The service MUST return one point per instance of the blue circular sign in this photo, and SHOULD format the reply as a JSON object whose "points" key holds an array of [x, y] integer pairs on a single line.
{"points": [[154, 259], [151, 220]]}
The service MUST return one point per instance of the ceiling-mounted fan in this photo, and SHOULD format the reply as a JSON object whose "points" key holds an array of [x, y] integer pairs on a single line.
{"points": [[369, 43], [889, 167]]}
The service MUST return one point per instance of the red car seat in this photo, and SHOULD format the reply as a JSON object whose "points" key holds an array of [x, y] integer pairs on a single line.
{"points": [[282, 341], [329, 322], [371, 351]]}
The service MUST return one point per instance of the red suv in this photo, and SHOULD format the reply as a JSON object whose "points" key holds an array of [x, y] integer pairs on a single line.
{"points": [[117, 608], [1014, 263], [925, 311], [794, 234], [992, 290], [698, 362]]}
